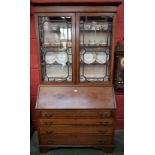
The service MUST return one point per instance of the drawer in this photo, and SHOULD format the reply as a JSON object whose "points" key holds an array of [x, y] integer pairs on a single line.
{"points": [[86, 121], [78, 129], [85, 139], [75, 113]]}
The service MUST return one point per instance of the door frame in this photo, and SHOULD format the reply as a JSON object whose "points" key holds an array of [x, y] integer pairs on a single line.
{"points": [[72, 15], [106, 83]]}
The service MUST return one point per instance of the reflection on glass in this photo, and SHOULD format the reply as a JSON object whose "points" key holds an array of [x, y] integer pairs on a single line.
{"points": [[95, 48], [56, 48]]}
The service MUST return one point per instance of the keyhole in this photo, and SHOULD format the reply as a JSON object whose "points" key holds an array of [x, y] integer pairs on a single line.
{"points": [[75, 90]]}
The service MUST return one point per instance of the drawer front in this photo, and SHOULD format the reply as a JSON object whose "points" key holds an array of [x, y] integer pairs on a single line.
{"points": [[86, 121], [56, 129], [75, 113], [76, 140]]}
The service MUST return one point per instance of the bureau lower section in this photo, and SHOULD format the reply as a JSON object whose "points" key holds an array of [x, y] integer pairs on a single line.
{"points": [[76, 128]]}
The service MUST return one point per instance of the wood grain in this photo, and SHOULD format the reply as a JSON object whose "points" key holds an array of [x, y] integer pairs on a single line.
{"points": [[72, 97]]}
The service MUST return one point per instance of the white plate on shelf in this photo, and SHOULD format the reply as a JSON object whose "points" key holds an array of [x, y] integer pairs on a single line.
{"points": [[92, 79], [104, 26], [59, 79], [101, 57], [89, 58], [50, 57], [87, 26], [62, 58], [102, 43]]}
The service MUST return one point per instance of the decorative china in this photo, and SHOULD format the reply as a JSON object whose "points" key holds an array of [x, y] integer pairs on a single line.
{"points": [[87, 26], [92, 43], [93, 25], [62, 58], [89, 58], [48, 26], [59, 79], [55, 28], [91, 79], [101, 57], [50, 57], [103, 42], [104, 26]]}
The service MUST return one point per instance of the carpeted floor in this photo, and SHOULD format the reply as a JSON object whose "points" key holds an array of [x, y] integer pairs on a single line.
{"points": [[118, 150]]}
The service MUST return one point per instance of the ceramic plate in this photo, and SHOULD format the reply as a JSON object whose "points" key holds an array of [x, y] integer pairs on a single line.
{"points": [[104, 26], [101, 57], [89, 58], [50, 57], [62, 58]]}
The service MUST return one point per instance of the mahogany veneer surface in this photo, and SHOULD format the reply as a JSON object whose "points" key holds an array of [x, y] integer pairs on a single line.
{"points": [[72, 97]]}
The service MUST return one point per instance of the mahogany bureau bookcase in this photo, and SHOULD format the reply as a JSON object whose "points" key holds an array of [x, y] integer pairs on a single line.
{"points": [[75, 103]]}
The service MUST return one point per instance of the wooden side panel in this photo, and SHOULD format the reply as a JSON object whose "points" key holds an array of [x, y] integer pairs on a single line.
{"points": [[120, 111]]}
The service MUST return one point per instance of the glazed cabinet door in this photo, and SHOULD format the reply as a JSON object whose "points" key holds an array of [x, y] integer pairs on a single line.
{"points": [[95, 47], [56, 37]]}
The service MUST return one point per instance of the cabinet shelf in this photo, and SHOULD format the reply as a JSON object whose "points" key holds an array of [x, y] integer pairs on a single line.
{"points": [[89, 30], [53, 46], [93, 46], [70, 63], [55, 63], [94, 63]]}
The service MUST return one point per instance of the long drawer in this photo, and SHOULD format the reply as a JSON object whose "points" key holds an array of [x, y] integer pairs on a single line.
{"points": [[75, 113], [76, 129], [76, 139], [86, 121]]}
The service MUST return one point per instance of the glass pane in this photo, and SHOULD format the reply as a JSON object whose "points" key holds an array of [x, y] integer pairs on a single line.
{"points": [[95, 47], [56, 48]]}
